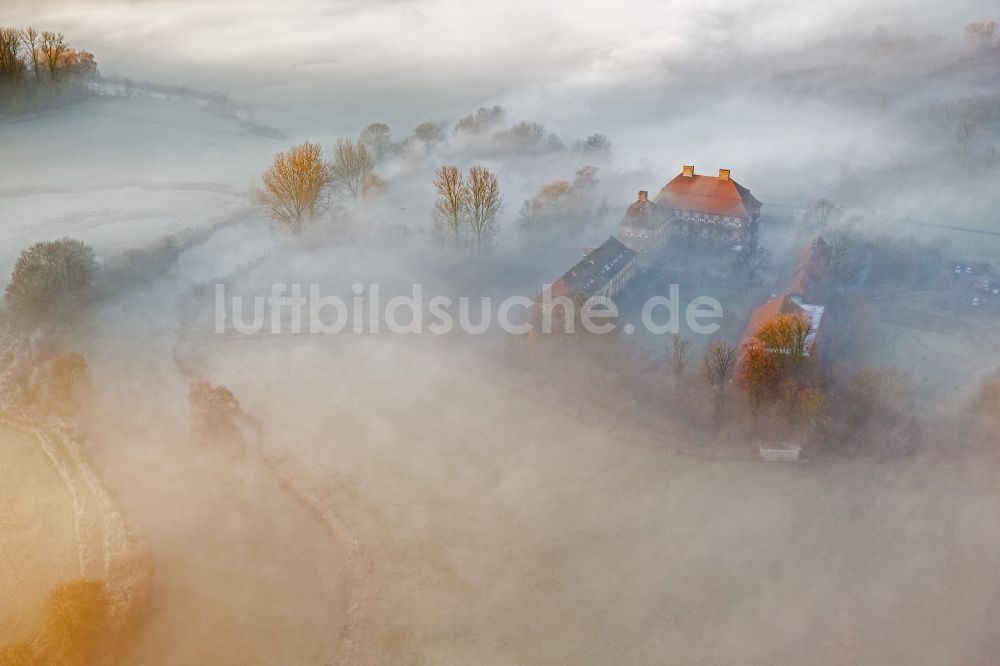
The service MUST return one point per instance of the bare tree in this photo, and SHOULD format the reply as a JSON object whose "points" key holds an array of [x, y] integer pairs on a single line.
{"points": [[33, 46], [679, 354], [595, 145], [753, 260], [53, 46], [451, 205], [377, 138], [11, 66], [351, 165], [847, 257], [485, 203], [296, 187], [718, 363], [822, 213]]}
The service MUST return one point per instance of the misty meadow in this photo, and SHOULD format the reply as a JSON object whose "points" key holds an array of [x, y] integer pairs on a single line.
{"points": [[423, 332]]}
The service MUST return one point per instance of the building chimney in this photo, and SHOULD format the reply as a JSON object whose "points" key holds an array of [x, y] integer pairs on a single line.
{"points": [[723, 174], [643, 195], [688, 170]]}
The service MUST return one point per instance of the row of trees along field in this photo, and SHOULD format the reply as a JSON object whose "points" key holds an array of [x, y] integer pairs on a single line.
{"points": [[300, 185], [488, 131], [39, 70], [50, 283]]}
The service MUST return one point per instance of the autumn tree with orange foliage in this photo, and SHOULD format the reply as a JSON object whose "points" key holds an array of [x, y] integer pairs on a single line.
{"points": [[809, 407], [213, 407], [787, 338], [76, 629], [77, 621], [296, 187], [758, 376], [18, 654], [53, 46]]}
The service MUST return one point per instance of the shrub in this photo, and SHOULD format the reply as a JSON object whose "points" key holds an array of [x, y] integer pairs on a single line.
{"points": [[77, 621], [49, 275]]}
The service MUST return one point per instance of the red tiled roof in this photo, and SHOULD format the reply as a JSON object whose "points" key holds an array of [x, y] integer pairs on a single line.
{"points": [[811, 269], [709, 195]]}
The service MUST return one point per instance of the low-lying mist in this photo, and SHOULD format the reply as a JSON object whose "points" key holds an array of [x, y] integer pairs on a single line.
{"points": [[492, 499]]}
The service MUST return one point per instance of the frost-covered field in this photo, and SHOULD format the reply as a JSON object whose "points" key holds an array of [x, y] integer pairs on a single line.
{"points": [[121, 173], [112, 221], [108, 140]]}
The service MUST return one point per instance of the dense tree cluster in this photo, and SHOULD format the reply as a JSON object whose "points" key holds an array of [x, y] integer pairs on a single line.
{"points": [[527, 138], [39, 70], [559, 201], [485, 132]]}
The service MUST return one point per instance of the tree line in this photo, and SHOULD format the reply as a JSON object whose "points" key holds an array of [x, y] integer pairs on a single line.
{"points": [[39, 70], [300, 184], [488, 130]]}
